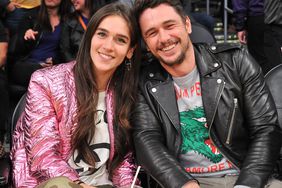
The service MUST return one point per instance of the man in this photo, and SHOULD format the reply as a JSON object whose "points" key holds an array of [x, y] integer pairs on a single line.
{"points": [[249, 22], [4, 97], [273, 32], [204, 114]]}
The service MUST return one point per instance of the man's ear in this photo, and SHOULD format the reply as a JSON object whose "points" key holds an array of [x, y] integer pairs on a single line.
{"points": [[130, 52], [188, 25]]}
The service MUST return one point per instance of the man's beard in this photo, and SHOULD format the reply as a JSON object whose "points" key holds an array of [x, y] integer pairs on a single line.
{"points": [[178, 60]]}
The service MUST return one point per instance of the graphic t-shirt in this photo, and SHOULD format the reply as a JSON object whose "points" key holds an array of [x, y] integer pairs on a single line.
{"points": [[100, 145], [198, 154]]}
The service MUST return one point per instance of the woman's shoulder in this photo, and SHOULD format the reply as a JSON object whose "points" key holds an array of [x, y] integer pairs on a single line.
{"points": [[58, 72]]}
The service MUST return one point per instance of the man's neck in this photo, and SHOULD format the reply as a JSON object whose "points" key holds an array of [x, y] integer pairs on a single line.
{"points": [[187, 66]]}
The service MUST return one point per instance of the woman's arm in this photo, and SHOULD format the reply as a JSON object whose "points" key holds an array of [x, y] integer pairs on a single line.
{"points": [[43, 142], [123, 176]]}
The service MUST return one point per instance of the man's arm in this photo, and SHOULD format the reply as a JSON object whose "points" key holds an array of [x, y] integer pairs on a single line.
{"points": [[3, 53], [262, 124], [3, 45], [151, 152]]}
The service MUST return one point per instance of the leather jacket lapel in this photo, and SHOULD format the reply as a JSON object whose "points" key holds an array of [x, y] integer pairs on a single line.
{"points": [[164, 94], [211, 92]]}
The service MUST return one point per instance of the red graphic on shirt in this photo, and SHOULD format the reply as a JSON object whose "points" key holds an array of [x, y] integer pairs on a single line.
{"points": [[194, 90], [209, 143], [213, 168]]}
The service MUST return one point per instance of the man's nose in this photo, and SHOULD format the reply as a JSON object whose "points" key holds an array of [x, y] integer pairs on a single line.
{"points": [[163, 35]]}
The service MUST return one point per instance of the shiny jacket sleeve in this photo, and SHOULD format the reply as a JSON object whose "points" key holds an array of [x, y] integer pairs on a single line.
{"points": [[151, 152], [123, 176], [262, 124], [42, 138]]}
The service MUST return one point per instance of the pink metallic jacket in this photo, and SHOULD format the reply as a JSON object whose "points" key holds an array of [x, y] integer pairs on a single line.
{"points": [[42, 138]]}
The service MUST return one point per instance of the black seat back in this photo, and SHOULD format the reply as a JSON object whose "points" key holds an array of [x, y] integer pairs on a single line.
{"points": [[5, 163], [273, 80], [200, 34], [18, 111]]}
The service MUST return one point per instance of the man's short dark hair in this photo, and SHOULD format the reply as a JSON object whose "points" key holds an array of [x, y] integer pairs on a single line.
{"points": [[141, 5]]}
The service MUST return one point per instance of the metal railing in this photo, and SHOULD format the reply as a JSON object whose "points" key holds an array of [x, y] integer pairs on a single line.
{"points": [[225, 19], [227, 11]]}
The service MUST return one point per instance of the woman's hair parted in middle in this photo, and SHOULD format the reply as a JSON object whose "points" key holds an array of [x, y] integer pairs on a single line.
{"points": [[123, 84]]}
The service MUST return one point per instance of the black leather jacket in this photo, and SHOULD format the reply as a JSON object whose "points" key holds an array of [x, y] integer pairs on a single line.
{"points": [[227, 72], [72, 33]]}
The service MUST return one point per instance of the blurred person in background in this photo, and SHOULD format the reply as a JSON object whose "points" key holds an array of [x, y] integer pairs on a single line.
{"points": [[75, 25], [249, 23], [16, 11], [37, 44], [4, 97]]}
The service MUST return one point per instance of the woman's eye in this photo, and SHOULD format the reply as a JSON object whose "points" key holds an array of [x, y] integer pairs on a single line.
{"points": [[101, 34], [121, 40]]}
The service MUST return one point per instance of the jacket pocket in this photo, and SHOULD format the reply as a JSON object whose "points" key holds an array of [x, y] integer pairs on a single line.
{"points": [[232, 120]]}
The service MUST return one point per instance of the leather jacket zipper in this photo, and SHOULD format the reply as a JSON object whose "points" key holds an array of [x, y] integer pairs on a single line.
{"points": [[235, 100], [222, 153]]}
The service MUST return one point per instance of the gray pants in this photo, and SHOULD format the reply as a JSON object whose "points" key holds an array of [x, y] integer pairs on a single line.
{"points": [[229, 181], [63, 182]]}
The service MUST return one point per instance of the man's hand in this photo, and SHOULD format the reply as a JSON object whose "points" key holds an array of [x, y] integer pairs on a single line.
{"points": [[242, 36], [30, 34], [191, 184], [12, 6], [48, 62]]}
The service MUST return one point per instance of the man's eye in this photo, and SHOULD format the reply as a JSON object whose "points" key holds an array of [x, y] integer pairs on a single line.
{"points": [[151, 34], [170, 26]]}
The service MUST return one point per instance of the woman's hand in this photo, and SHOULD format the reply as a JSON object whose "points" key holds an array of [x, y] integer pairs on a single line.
{"points": [[30, 34], [86, 186]]}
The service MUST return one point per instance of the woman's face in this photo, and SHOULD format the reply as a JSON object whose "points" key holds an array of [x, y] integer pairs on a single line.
{"points": [[78, 5], [52, 3], [110, 44]]}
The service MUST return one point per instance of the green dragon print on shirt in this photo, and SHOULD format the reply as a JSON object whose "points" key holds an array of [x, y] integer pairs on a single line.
{"points": [[195, 135]]}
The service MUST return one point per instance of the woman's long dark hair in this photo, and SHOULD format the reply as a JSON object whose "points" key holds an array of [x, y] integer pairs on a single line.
{"points": [[43, 17], [123, 84]]}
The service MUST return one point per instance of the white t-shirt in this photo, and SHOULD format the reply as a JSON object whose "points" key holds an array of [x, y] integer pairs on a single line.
{"points": [[100, 144]]}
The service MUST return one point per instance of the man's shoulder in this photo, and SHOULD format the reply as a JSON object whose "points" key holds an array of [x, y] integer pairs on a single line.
{"points": [[220, 47], [150, 68]]}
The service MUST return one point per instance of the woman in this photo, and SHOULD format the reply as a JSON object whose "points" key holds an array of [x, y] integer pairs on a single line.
{"points": [[75, 26], [64, 131], [38, 40]]}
